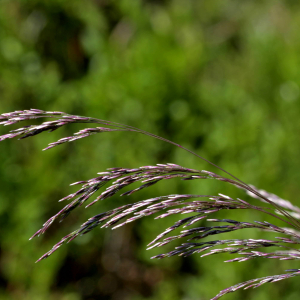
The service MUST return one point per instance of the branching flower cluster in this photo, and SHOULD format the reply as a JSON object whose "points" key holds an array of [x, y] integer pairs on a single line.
{"points": [[198, 207]]}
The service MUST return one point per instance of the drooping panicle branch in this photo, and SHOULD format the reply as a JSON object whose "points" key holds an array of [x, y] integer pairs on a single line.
{"points": [[254, 283], [148, 175]]}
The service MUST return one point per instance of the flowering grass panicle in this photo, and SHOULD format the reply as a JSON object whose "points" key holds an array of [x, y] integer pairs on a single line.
{"points": [[199, 207]]}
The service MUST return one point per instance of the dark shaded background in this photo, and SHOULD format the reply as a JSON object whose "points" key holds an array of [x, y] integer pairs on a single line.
{"points": [[220, 77]]}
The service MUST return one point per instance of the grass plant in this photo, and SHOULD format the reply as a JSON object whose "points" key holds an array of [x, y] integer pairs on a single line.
{"points": [[198, 207]]}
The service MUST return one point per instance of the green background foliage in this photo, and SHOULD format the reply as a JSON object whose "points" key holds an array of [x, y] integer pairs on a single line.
{"points": [[219, 77]]}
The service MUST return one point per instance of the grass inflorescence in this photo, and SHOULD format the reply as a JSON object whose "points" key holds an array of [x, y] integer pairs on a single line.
{"points": [[198, 207]]}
